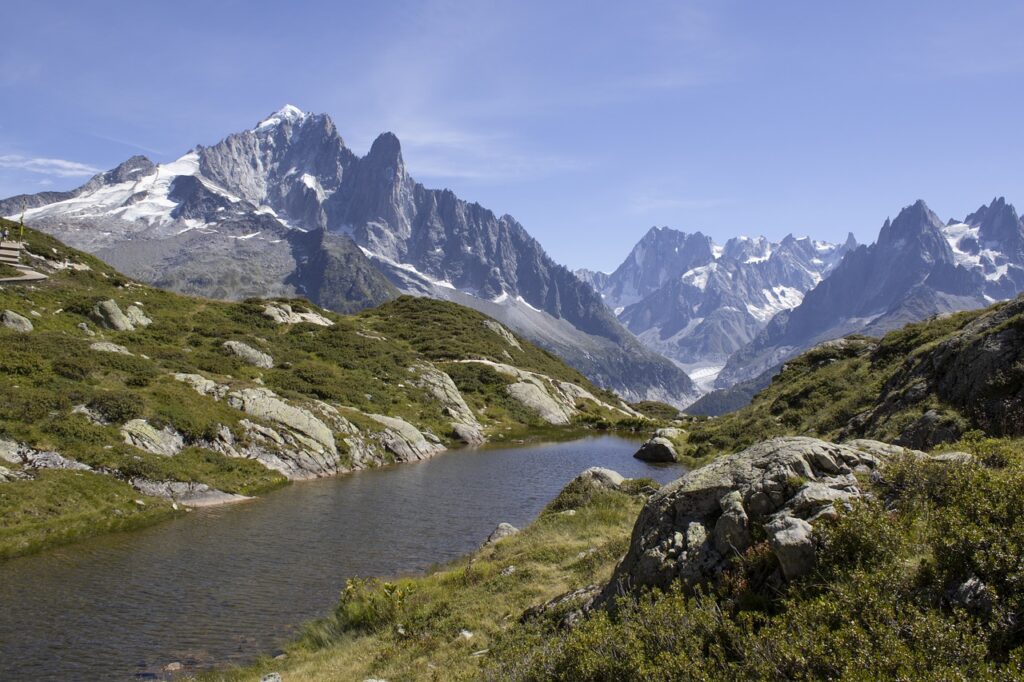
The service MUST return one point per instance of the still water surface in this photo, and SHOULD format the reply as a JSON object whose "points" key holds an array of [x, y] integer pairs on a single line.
{"points": [[222, 585]]}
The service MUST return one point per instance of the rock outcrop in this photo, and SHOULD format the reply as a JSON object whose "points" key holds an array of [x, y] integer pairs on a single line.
{"points": [[551, 400], [186, 493], [15, 322], [165, 442], [441, 386], [282, 313], [250, 355], [690, 530], [405, 441]]}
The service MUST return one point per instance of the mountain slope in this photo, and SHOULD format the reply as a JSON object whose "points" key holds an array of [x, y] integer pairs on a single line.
{"points": [[917, 267], [231, 220], [114, 391], [925, 384]]}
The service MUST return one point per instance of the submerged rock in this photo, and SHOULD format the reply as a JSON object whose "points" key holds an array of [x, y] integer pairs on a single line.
{"points": [[657, 449]]}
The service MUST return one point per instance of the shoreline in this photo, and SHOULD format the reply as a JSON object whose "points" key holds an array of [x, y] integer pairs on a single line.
{"points": [[158, 509]]}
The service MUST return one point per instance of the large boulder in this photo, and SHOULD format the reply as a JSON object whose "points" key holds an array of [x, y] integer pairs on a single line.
{"points": [[136, 316], [657, 449], [15, 322], [250, 355], [690, 530], [109, 315]]}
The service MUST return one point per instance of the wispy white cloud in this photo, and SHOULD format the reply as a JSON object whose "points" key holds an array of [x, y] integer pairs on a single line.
{"points": [[57, 167]]}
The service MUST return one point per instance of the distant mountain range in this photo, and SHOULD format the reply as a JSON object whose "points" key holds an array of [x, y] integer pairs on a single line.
{"points": [[698, 302], [732, 314], [918, 267], [285, 208]]}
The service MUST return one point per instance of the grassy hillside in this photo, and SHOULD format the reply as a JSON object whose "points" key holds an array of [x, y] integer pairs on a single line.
{"points": [[883, 388], [58, 393], [919, 578]]}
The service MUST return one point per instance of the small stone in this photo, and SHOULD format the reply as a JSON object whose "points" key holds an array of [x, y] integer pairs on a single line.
{"points": [[107, 347], [465, 634], [140, 503], [503, 530], [271, 677], [568, 512], [85, 329], [250, 355], [173, 667], [507, 571]]}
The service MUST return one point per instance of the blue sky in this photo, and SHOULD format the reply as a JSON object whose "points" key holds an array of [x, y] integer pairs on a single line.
{"points": [[589, 122]]}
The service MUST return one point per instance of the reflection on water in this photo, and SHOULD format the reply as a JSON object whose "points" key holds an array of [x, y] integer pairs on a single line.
{"points": [[224, 584]]}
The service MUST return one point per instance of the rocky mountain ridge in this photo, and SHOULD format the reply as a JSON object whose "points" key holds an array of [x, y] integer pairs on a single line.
{"points": [[269, 210], [918, 267]]}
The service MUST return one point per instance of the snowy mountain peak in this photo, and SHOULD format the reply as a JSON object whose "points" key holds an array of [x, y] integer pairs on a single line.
{"points": [[288, 113]]}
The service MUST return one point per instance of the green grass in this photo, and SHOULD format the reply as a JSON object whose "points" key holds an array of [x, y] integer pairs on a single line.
{"points": [[361, 364], [821, 392], [61, 506]]}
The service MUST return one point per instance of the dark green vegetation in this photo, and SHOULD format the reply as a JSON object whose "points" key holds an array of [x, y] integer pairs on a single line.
{"points": [[361, 364], [928, 383], [921, 582], [9, 271]]}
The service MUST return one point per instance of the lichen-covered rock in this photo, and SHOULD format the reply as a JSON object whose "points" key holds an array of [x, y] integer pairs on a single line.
{"points": [[504, 333], [533, 396], [282, 313], [202, 385], [15, 322], [691, 528], [250, 355], [263, 403], [441, 386], [108, 315], [108, 347], [137, 317], [601, 477], [165, 442]]}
